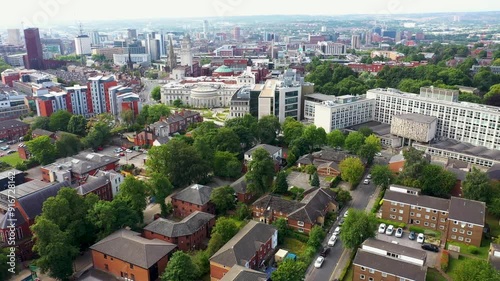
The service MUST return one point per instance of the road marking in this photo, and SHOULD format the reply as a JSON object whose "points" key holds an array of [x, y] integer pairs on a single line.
{"points": [[335, 269]]}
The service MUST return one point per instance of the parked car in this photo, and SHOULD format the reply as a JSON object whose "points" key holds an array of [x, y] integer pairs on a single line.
{"points": [[346, 214], [381, 228], [100, 148], [369, 176], [4, 147], [341, 222], [411, 236], [128, 151], [366, 181], [389, 230], [118, 150], [11, 151], [319, 261], [378, 154], [332, 240], [325, 252], [420, 238], [337, 230], [399, 232], [430, 247]]}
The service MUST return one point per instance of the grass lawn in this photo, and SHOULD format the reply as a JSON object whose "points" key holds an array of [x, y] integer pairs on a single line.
{"points": [[434, 275], [494, 225], [294, 246], [349, 274], [454, 264], [11, 159], [466, 249]]}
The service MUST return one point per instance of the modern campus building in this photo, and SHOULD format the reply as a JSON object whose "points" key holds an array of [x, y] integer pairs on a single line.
{"points": [[280, 99]]}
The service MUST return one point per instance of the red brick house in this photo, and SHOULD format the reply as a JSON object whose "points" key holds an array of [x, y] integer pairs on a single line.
{"points": [[193, 198], [250, 247], [42, 132], [301, 216], [13, 129], [126, 254], [100, 186], [145, 137], [188, 234], [326, 161], [240, 190]]}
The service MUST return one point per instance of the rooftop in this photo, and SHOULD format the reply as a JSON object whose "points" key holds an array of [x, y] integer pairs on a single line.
{"points": [[25, 189], [186, 226], [241, 273], [8, 124], [271, 149], [415, 117], [468, 149], [395, 248], [469, 211], [197, 194], [417, 200]]}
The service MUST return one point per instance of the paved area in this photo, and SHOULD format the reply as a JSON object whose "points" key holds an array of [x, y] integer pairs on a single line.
{"points": [[134, 157], [301, 180], [432, 258]]}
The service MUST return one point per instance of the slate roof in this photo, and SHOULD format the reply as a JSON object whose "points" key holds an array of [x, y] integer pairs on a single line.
{"points": [[417, 200], [9, 173], [240, 185], [469, 211], [242, 247], [84, 162], [13, 123], [494, 172], [241, 273], [130, 247], [42, 132], [197, 194], [390, 265], [315, 205], [187, 226], [92, 184], [32, 203], [327, 165], [459, 174], [5, 218], [271, 149], [277, 203]]}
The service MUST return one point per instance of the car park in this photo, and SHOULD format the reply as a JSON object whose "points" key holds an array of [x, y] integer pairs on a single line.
{"points": [[332, 240], [319, 261], [399, 232], [411, 236], [325, 252], [389, 230], [337, 230], [420, 238], [430, 247], [118, 150], [381, 228], [128, 151]]}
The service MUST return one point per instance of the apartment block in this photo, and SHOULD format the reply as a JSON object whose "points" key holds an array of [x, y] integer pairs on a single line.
{"points": [[191, 199], [280, 99], [459, 219]]}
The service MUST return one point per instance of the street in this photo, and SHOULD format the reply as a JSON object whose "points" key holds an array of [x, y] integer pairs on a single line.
{"points": [[145, 94]]}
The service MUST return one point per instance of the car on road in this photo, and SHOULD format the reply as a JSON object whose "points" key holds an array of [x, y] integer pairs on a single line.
{"points": [[378, 154], [369, 176], [325, 252], [346, 214], [430, 247], [4, 147], [341, 222], [332, 240], [420, 238], [399, 232], [319, 261], [366, 181], [411, 236], [389, 230], [337, 230], [118, 150], [381, 228], [128, 151]]}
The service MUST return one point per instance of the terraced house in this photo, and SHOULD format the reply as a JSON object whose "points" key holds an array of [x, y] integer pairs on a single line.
{"points": [[459, 219]]}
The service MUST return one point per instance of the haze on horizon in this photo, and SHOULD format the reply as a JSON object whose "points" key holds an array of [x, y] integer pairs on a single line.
{"points": [[53, 12]]}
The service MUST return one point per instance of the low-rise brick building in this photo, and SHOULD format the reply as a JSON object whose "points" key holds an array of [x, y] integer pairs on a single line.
{"points": [[250, 247], [188, 234], [193, 198], [126, 254], [13, 129], [240, 189]]}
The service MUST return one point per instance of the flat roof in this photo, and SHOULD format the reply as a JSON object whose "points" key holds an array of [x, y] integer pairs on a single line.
{"points": [[415, 117], [467, 148], [26, 188], [269, 89], [395, 248]]}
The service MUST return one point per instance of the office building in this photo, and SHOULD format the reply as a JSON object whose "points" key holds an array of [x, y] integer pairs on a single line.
{"points": [[342, 112], [80, 100], [131, 34], [83, 45], [122, 99], [310, 102], [332, 49], [34, 56], [205, 29], [123, 59], [280, 99], [154, 49], [356, 42], [186, 52], [237, 33], [95, 38], [15, 60], [14, 37]]}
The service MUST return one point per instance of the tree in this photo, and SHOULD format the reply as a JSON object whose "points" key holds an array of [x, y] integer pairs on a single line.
{"points": [[290, 270], [99, 134], [370, 148], [155, 93], [343, 197], [476, 269], [283, 230], [365, 131], [267, 128], [436, 181], [160, 187], [316, 137], [127, 116], [494, 207], [59, 120], [351, 170], [215, 243], [292, 129], [178, 103], [382, 176], [414, 163], [77, 125], [477, 186], [5, 268], [281, 183], [492, 97], [156, 111], [469, 97], [226, 140], [68, 145], [180, 268], [134, 192], [315, 180], [260, 172], [243, 212], [226, 228], [316, 236], [179, 161], [41, 122], [335, 139], [110, 216], [357, 227], [42, 150], [223, 198], [354, 141]]}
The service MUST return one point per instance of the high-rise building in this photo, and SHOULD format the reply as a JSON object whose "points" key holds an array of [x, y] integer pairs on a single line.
{"points": [[172, 59], [161, 38], [205, 28], [14, 37], [95, 38], [368, 38], [83, 45], [356, 41], [332, 49], [186, 51], [131, 34], [237, 33], [154, 49], [34, 56], [99, 93]]}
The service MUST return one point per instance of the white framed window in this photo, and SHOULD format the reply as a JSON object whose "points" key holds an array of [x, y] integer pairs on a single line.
{"points": [[462, 231], [300, 223], [393, 209], [384, 274], [412, 207], [370, 278], [441, 227], [363, 268], [394, 203], [427, 210], [362, 277], [433, 218], [453, 237], [426, 223], [371, 270], [469, 232], [419, 215], [427, 217], [401, 211], [416, 222], [400, 218], [467, 240], [300, 230], [434, 211], [419, 208], [469, 225], [393, 217], [443, 220], [454, 229], [401, 204], [460, 238], [412, 213], [443, 213], [433, 225]]}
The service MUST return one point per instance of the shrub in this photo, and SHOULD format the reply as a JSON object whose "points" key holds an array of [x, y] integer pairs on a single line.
{"points": [[378, 201], [417, 229], [335, 182], [473, 250], [300, 236], [445, 260]]}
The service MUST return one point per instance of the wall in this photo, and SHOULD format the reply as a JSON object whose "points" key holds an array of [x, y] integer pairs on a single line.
{"points": [[117, 266], [183, 209]]}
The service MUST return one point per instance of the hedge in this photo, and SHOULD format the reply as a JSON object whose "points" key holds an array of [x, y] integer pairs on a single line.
{"points": [[445, 260], [345, 269], [395, 224], [335, 182], [377, 204], [300, 236], [417, 229]]}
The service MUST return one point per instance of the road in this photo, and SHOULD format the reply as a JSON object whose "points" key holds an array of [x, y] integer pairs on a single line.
{"points": [[360, 198], [145, 94]]}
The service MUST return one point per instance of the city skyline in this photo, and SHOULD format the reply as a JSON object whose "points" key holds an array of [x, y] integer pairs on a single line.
{"points": [[53, 12]]}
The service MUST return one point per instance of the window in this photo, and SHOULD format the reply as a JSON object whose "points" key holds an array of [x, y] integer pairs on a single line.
{"points": [[400, 211], [417, 222], [426, 223], [393, 217], [427, 217], [371, 270], [418, 215], [427, 210], [460, 238], [469, 232], [462, 231], [131, 266], [433, 218], [433, 225], [434, 211], [419, 208], [105, 256], [370, 279], [467, 240], [443, 220], [441, 227], [453, 237], [412, 214], [132, 276], [384, 274], [454, 229], [106, 267], [300, 230], [363, 268], [300, 223], [393, 210], [362, 277], [400, 218], [469, 225]]}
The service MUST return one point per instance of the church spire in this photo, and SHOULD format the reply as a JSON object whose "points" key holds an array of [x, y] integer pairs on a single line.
{"points": [[172, 60], [130, 64]]}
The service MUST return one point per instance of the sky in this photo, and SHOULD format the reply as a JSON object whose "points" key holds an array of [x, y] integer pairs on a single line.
{"points": [[52, 12]]}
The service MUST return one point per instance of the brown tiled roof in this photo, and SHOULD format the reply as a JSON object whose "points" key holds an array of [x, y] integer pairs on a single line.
{"points": [[468, 211], [417, 200], [276, 203], [391, 266]]}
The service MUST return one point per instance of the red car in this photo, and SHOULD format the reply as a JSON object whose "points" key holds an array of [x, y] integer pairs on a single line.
{"points": [[99, 148], [122, 154]]}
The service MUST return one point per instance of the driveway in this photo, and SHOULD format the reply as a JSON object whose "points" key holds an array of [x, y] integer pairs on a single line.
{"points": [[432, 258], [134, 157], [301, 180]]}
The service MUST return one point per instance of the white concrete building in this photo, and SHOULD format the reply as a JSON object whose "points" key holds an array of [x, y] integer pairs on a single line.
{"points": [[16, 60], [122, 59], [203, 94], [310, 102], [281, 99], [99, 88], [332, 48], [83, 45], [344, 111]]}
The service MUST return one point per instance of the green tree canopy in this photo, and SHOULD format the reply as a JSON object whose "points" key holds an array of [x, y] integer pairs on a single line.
{"points": [[160, 187], [42, 150], [316, 137], [226, 165], [134, 192], [335, 139], [382, 176], [351, 170], [315, 179], [156, 111], [41, 122], [223, 198], [99, 134], [436, 181], [477, 186], [492, 97], [226, 228], [110, 216], [281, 183], [354, 141], [316, 237], [267, 128], [343, 197], [260, 172], [283, 230], [59, 120], [358, 226], [180, 268], [370, 148], [292, 129], [77, 125], [476, 269], [156, 93], [290, 270], [68, 145]]}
